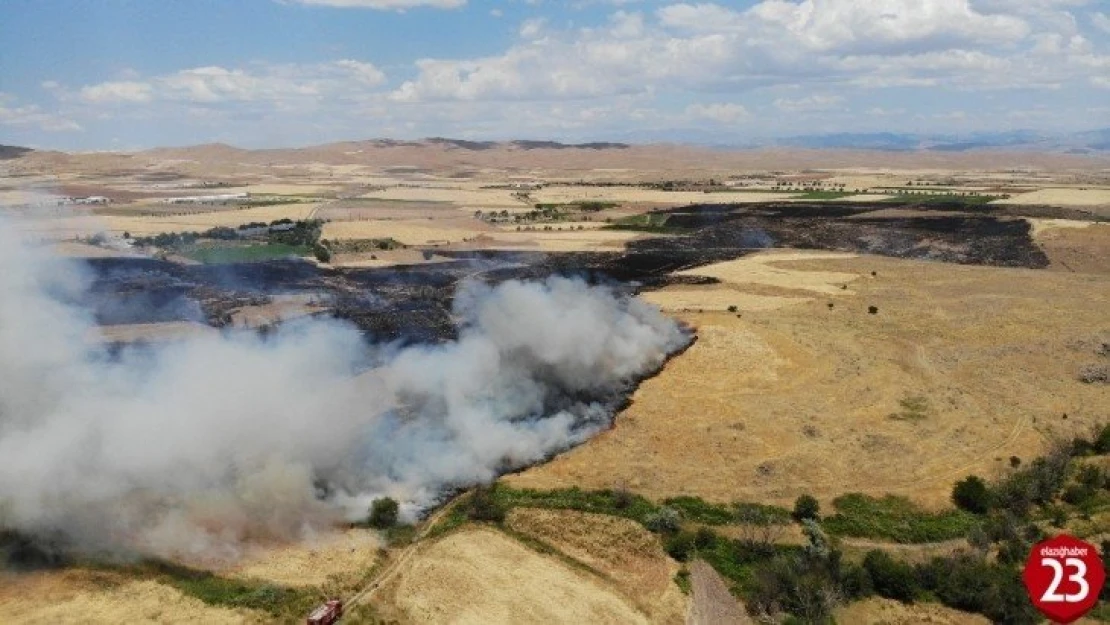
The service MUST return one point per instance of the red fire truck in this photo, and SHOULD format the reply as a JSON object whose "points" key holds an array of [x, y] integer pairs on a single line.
{"points": [[326, 614]]}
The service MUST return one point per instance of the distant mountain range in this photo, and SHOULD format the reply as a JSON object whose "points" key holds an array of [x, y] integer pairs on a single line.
{"points": [[1093, 142], [1089, 142]]}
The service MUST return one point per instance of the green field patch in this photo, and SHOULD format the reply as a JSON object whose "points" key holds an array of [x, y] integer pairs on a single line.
{"points": [[212, 589], [895, 519], [824, 195], [214, 254]]}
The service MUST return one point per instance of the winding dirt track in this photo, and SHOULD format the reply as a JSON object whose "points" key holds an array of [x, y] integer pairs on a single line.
{"points": [[390, 571]]}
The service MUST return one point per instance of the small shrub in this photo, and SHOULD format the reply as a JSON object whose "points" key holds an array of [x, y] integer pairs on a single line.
{"points": [[872, 310], [1101, 443], [664, 521], [622, 499], [682, 580], [732, 308], [890, 578], [805, 507], [679, 546], [705, 538]]}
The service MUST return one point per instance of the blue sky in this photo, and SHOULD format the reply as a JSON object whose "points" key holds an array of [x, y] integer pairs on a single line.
{"points": [[124, 74]]}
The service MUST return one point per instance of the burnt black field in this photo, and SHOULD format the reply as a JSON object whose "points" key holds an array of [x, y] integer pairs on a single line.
{"points": [[413, 303]]}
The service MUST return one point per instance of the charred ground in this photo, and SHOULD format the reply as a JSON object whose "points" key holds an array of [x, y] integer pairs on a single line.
{"points": [[412, 303]]}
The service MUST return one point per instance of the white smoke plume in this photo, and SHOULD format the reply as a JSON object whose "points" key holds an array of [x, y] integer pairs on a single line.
{"points": [[197, 447]]}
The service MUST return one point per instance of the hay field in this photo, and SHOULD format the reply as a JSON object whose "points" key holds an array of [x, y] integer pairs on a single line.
{"points": [[800, 399], [337, 558], [560, 195], [482, 576], [562, 240], [1062, 197], [69, 227], [621, 549], [1074, 249], [409, 232], [83, 597], [879, 611], [469, 197]]}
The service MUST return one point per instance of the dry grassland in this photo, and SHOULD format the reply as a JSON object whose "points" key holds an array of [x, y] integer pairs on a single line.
{"points": [[409, 232], [482, 576], [83, 597], [800, 399], [68, 227], [560, 195], [1062, 197], [341, 557], [879, 611], [620, 549], [1080, 250]]}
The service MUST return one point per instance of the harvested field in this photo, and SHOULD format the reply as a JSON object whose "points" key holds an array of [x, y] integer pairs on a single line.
{"points": [[82, 597], [619, 549], [68, 227], [1073, 248], [562, 195], [879, 611], [409, 232], [158, 331], [1093, 198], [482, 576], [466, 197], [341, 558], [800, 398]]}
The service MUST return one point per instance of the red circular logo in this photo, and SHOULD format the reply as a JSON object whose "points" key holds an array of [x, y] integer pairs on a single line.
{"points": [[1064, 577]]}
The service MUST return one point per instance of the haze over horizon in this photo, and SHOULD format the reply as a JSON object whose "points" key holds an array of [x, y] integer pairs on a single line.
{"points": [[276, 73]]}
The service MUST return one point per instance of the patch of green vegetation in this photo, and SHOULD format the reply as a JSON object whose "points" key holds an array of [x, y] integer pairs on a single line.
{"points": [[914, 409], [453, 520], [645, 222], [614, 503], [399, 535], [682, 580], [274, 201], [825, 195], [763, 513], [357, 246], [220, 253], [699, 511], [957, 200], [212, 589], [897, 519]]}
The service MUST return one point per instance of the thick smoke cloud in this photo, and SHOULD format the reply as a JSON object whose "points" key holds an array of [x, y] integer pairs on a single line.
{"points": [[195, 447]]}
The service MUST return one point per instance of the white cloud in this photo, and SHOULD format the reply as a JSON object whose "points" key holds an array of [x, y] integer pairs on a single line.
{"points": [[116, 92], [816, 102], [213, 84], [720, 113], [1101, 21], [384, 5], [532, 28], [31, 115], [710, 47]]}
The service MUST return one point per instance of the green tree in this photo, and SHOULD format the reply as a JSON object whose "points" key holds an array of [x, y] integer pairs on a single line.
{"points": [[890, 578], [383, 513], [806, 507], [972, 494], [484, 506]]}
